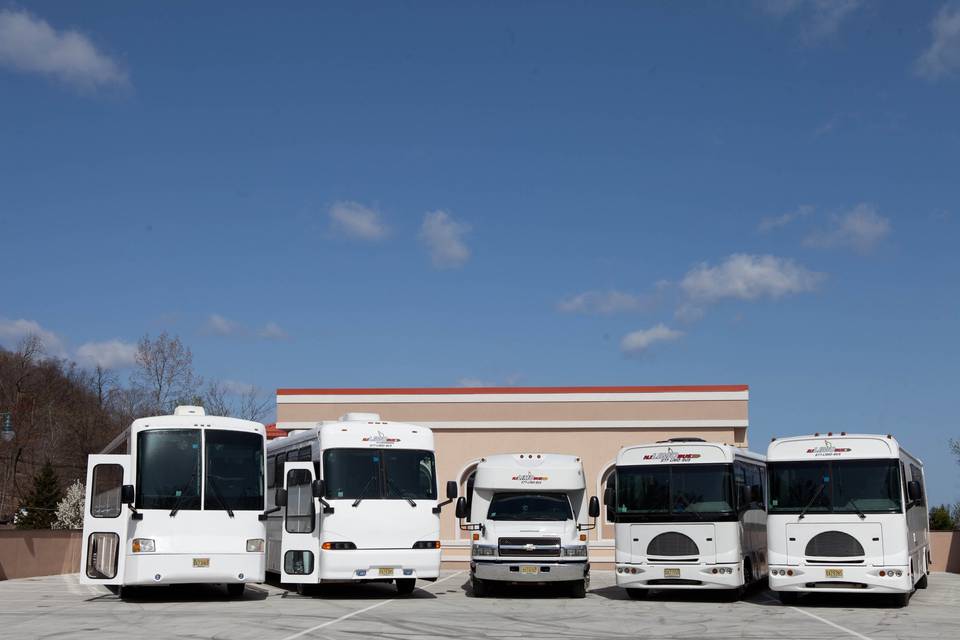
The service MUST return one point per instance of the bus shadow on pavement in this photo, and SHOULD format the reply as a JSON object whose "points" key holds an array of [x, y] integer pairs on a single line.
{"points": [[508, 591], [184, 593], [351, 591], [756, 595]]}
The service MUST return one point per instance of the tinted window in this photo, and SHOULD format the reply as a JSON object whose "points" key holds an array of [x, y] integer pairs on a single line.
{"points": [[301, 507], [168, 469], [530, 507], [234, 470], [409, 474], [352, 473], [105, 493], [384, 474], [271, 471], [845, 486], [674, 489]]}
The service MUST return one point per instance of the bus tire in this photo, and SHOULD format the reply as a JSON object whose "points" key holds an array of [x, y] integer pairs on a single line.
{"points": [[638, 594], [236, 589], [901, 599], [788, 598], [405, 586], [479, 588], [578, 589], [922, 582]]}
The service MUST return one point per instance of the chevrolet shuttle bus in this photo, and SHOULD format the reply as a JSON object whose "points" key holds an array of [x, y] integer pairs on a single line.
{"points": [[688, 514], [527, 513], [184, 505], [848, 513], [357, 502]]}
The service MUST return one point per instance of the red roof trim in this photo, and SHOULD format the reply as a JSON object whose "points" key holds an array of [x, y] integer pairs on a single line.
{"points": [[507, 390]]}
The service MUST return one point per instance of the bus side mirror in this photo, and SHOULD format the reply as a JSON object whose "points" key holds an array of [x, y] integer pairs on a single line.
{"points": [[462, 508], [594, 509], [127, 494], [281, 498], [318, 488], [451, 489], [914, 492]]}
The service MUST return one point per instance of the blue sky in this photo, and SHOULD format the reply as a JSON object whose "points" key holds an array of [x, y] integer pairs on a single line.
{"points": [[382, 194]]}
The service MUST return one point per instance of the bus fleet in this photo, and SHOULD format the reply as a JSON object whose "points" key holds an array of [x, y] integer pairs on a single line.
{"points": [[203, 499]]}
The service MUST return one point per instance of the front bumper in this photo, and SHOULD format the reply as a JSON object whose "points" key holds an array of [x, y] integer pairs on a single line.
{"points": [[178, 568], [366, 564], [677, 576], [812, 579], [503, 570]]}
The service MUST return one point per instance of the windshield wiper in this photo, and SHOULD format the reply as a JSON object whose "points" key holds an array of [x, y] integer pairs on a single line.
{"points": [[390, 483], [180, 496], [803, 511], [364, 490], [218, 495], [853, 503]]}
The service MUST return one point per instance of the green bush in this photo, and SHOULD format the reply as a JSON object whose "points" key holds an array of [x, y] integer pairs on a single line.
{"points": [[38, 510], [940, 519]]}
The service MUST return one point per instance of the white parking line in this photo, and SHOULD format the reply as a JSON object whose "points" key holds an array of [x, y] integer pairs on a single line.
{"points": [[823, 620], [329, 623]]}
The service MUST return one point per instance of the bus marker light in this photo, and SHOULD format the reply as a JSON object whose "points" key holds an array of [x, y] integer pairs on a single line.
{"points": [[255, 545], [143, 545], [882, 573]]}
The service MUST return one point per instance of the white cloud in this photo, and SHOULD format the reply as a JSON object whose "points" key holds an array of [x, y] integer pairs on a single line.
{"points": [[110, 354], [820, 19], [748, 277], [29, 44], [444, 239], [942, 57], [13, 331], [637, 342], [354, 220], [775, 222], [605, 302], [273, 331], [218, 325], [474, 382], [861, 228], [237, 388]]}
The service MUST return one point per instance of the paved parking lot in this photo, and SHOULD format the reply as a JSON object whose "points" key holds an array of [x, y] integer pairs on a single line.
{"points": [[60, 607]]}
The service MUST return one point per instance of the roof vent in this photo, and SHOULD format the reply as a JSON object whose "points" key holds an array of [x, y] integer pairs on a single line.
{"points": [[360, 417], [187, 410], [681, 440]]}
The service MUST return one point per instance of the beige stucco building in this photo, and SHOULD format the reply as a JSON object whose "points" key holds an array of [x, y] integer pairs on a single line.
{"points": [[591, 422]]}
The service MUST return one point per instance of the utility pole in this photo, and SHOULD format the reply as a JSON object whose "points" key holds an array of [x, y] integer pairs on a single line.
{"points": [[7, 434]]}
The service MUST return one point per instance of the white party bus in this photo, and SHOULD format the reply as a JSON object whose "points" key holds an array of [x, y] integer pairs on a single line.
{"points": [[528, 512], [688, 514], [848, 513], [375, 483], [185, 504]]}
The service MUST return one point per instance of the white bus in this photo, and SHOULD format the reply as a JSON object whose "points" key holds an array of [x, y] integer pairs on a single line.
{"points": [[183, 505], [688, 514], [358, 502], [848, 513], [528, 512]]}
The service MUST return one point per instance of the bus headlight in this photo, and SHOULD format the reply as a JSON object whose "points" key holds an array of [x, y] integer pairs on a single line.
{"points": [[255, 545], [143, 545], [577, 551], [484, 550]]}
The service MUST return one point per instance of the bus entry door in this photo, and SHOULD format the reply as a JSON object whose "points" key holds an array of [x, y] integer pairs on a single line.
{"points": [[299, 546], [105, 520]]}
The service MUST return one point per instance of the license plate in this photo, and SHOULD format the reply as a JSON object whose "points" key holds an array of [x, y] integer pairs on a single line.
{"points": [[385, 571], [201, 563], [530, 570], [671, 573], [834, 573]]}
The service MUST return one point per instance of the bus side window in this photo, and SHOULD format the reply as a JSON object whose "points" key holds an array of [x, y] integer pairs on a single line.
{"points": [[917, 475], [739, 482], [303, 454], [105, 497], [278, 469], [271, 472]]}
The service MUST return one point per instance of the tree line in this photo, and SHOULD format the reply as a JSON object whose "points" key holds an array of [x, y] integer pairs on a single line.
{"points": [[62, 412]]}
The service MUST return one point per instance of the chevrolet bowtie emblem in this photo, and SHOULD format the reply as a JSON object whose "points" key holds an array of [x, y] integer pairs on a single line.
{"points": [[529, 547]]}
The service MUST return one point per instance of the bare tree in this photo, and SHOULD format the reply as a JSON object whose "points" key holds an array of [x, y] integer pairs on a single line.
{"points": [[253, 405], [215, 400], [248, 404], [164, 373]]}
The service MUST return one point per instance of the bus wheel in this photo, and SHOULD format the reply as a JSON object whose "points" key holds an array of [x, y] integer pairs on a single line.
{"points": [[578, 589], [479, 588], [922, 582], [901, 599], [638, 594], [788, 597], [235, 589], [405, 586]]}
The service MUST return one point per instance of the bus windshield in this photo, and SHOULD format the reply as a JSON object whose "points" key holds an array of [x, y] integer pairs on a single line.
{"points": [[675, 491], [835, 486], [234, 471], [379, 474], [168, 469], [515, 506]]}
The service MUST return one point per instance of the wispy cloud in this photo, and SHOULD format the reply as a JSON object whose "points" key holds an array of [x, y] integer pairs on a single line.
{"points": [[638, 342], [13, 331], [110, 354], [744, 277], [942, 57], [354, 220], [771, 223], [444, 239], [819, 19], [606, 302], [861, 228], [28, 44], [219, 325]]}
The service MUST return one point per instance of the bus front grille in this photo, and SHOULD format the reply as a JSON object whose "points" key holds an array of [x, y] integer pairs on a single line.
{"points": [[672, 543], [834, 544]]}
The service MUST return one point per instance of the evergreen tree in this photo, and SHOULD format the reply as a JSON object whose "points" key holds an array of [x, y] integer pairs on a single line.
{"points": [[940, 519], [38, 510]]}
